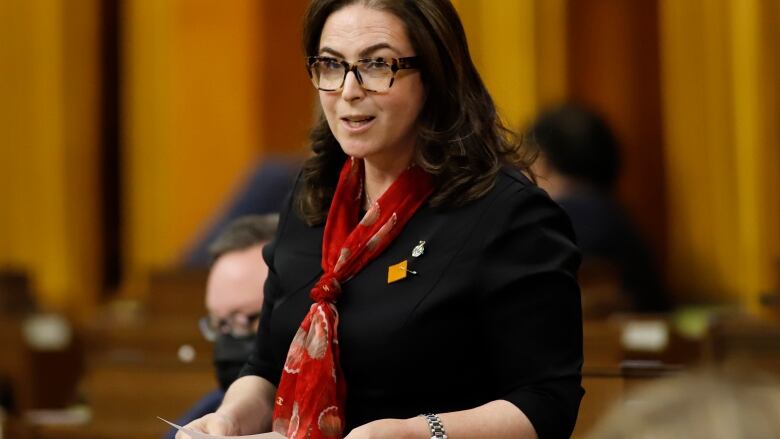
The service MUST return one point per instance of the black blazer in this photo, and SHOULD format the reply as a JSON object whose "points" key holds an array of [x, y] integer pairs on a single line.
{"points": [[492, 313]]}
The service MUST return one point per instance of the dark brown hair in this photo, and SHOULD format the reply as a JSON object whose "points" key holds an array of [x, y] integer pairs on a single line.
{"points": [[461, 139]]}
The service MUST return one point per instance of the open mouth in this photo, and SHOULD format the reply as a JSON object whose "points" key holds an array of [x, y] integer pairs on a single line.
{"points": [[357, 121]]}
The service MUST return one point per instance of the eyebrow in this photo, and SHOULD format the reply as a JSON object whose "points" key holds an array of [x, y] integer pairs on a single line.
{"points": [[363, 53]]}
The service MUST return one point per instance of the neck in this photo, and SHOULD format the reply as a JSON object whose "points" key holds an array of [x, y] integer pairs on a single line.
{"points": [[379, 176]]}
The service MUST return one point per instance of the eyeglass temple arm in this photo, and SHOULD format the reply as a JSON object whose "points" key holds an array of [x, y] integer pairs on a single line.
{"points": [[409, 62]]}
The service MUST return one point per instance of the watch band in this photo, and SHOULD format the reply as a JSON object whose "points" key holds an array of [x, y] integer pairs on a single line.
{"points": [[436, 426]]}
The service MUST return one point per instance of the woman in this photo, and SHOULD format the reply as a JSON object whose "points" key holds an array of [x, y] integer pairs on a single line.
{"points": [[415, 270]]}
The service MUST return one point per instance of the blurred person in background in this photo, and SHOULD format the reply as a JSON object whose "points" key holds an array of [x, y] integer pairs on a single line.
{"points": [[578, 166], [234, 297], [732, 404], [420, 284]]}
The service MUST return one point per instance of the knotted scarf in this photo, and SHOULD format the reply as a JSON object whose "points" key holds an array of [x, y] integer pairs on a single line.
{"points": [[310, 399]]}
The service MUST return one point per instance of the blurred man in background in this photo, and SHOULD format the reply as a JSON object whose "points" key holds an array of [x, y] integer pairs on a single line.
{"points": [[578, 166], [234, 297]]}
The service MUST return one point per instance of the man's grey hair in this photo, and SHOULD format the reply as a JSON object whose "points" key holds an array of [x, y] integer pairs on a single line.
{"points": [[244, 232]]}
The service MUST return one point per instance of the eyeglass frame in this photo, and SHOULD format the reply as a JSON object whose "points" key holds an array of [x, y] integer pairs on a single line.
{"points": [[396, 64], [210, 334]]}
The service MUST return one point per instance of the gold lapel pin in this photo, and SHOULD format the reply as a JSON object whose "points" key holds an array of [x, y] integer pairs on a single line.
{"points": [[398, 271]]}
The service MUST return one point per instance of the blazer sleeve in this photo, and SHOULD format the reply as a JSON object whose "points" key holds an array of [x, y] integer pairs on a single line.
{"points": [[530, 309], [261, 361]]}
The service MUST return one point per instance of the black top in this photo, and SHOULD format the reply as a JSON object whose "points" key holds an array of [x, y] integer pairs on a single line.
{"points": [[492, 313]]}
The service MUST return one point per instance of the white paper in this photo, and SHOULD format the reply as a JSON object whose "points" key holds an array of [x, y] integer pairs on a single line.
{"points": [[198, 435]]}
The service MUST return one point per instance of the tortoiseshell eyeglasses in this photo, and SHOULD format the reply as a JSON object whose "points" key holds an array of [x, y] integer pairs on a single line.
{"points": [[373, 74]]}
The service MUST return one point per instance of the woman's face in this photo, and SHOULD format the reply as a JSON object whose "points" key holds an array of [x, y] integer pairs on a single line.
{"points": [[377, 126]]}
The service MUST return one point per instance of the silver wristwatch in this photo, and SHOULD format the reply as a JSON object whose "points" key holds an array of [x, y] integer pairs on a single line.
{"points": [[437, 428]]}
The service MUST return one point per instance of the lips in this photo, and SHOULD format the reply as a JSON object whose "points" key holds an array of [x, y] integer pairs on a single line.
{"points": [[357, 120], [357, 123]]}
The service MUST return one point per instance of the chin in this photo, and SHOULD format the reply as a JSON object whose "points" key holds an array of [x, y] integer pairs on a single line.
{"points": [[357, 149]]}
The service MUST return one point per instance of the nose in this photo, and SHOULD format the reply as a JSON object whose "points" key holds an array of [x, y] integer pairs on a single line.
{"points": [[352, 89]]}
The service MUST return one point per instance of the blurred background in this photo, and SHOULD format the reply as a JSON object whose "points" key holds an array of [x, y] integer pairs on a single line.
{"points": [[129, 127]]}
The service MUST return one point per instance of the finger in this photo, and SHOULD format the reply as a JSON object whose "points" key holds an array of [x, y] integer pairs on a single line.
{"points": [[218, 426], [196, 425]]}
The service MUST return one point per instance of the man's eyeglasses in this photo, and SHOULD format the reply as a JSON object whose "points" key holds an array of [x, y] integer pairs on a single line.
{"points": [[373, 74], [237, 325]]}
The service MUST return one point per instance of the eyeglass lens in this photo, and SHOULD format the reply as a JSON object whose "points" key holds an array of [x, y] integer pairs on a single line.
{"points": [[374, 75], [236, 325]]}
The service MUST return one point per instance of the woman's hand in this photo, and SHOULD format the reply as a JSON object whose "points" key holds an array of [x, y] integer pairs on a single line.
{"points": [[213, 423], [412, 428]]}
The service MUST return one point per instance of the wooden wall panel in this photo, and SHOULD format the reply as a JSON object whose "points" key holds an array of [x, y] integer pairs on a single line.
{"points": [[288, 96], [49, 120], [613, 65], [520, 51], [208, 88], [720, 92]]}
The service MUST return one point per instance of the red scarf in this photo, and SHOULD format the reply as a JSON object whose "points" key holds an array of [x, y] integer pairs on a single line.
{"points": [[310, 398]]}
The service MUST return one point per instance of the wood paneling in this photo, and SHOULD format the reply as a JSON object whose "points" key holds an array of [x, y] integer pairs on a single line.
{"points": [[613, 66], [288, 97], [720, 96], [208, 89], [520, 51], [49, 154]]}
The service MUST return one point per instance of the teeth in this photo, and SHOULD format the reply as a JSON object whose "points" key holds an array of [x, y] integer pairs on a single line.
{"points": [[358, 122]]}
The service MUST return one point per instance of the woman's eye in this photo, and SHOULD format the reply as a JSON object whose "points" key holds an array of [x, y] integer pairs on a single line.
{"points": [[376, 65]]}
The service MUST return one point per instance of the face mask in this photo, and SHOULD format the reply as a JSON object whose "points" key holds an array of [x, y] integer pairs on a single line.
{"points": [[230, 354]]}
